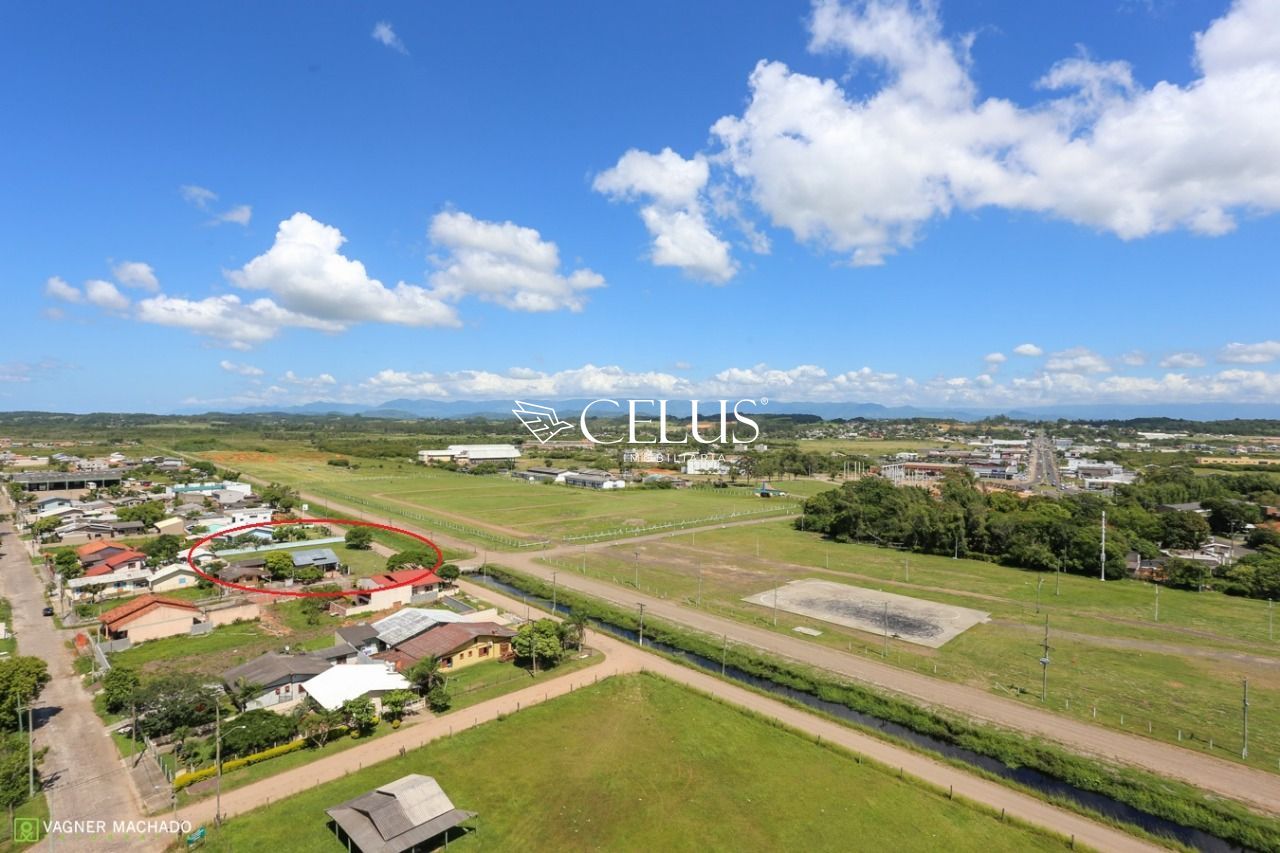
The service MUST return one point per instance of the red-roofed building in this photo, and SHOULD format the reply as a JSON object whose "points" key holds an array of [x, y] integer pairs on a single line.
{"points": [[149, 617], [374, 595], [454, 645], [128, 559], [97, 551]]}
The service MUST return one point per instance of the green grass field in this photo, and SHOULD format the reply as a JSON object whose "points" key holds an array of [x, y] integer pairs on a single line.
{"points": [[498, 509], [37, 807], [638, 763], [1183, 672]]}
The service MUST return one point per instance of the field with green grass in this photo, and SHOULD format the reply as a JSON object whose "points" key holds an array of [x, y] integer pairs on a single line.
{"points": [[498, 509], [1182, 675], [873, 447], [638, 763]]}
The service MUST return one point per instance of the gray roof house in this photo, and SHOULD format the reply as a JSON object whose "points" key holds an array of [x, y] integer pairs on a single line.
{"points": [[277, 675], [407, 814]]}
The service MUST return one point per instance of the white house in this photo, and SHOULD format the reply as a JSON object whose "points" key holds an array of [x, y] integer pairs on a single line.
{"points": [[174, 576], [343, 683]]}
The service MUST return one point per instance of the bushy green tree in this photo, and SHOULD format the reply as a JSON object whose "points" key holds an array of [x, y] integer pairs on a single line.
{"points": [[256, 730], [119, 688], [359, 538], [21, 680], [540, 639]]}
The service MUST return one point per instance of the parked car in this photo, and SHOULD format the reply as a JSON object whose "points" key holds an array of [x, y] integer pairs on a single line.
{"points": [[48, 611]]}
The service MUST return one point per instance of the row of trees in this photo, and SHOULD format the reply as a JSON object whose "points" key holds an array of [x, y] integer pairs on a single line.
{"points": [[1046, 533]]}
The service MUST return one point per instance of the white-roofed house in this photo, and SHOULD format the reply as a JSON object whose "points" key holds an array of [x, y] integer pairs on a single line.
{"points": [[341, 684]]}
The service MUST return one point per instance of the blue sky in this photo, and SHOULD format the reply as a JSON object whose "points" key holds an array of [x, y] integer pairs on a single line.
{"points": [[234, 204]]}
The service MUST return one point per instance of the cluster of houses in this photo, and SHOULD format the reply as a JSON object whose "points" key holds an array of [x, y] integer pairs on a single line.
{"points": [[369, 659], [111, 569]]}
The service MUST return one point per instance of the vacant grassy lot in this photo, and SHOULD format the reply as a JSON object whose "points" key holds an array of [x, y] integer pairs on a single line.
{"points": [[637, 763], [1184, 672], [499, 508], [220, 649]]}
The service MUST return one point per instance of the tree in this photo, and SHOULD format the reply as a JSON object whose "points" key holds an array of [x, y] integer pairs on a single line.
{"points": [[438, 699], [13, 772], [450, 572], [540, 639], [317, 724], [279, 496], [314, 607], [242, 692], [67, 564], [574, 628], [119, 688], [162, 549], [21, 680], [1228, 515], [148, 512], [167, 702], [425, 675], [359, 538], [43, 526], [413, 557], [394, 703], [256, 730], [279, 565], [1186, 574], [1183, 530], [359, 714]]}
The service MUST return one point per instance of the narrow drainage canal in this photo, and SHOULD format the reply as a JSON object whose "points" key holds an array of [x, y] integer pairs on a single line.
{"points": [[1034, 779]]}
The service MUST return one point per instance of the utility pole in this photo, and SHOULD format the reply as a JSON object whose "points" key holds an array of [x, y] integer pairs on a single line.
{"points": [[1157, 602], [217, 761], [584, 559], [1102, 560], [885, 654], [637, 569], [641, 605], [1271, 606], [1044, 664], [724, 653], [553, 593], [1038, 587], [906, 567], [1244, 751], [1057, 578]]}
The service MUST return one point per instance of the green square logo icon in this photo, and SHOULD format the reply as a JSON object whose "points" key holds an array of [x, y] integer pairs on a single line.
{"points": [[26, 830]]}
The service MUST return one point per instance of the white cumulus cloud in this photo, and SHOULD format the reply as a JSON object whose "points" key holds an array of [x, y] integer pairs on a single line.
{"points": [[136, 274], [105, 295], [1263, 352], [1182, 360], [57, 288], [308, 275], [1028, 350], [674, 211], [241, 369], [861, 168], [504, 263]]}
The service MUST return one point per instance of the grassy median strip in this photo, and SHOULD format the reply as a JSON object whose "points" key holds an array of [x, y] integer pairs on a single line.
{"points": [[1169, 799]]}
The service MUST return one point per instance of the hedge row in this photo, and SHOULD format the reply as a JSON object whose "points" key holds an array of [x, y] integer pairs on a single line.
{"points": [[182, 780], [1166, 798]]}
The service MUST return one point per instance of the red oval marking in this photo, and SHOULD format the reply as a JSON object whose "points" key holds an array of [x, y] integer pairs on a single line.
{"points": [[343, 522]]}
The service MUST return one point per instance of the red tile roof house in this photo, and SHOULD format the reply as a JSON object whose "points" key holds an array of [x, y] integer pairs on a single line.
{"points": [[374, 596], [95, 552], [129, 559], [149, 617], [454, 644]]}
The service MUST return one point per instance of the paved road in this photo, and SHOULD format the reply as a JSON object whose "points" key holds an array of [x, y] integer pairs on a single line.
{"points": [[84, 777], [623, 658], [1257, 788]]}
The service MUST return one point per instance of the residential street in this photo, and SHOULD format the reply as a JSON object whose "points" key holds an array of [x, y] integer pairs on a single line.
{"points": [[84, 778], [1255, 787]]}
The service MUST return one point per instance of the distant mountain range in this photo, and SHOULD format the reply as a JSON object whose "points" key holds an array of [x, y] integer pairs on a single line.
{"points": [[407, 409]]}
